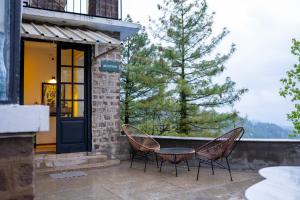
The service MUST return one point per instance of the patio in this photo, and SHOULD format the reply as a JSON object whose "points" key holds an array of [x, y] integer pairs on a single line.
{"points": [[121, 182]]}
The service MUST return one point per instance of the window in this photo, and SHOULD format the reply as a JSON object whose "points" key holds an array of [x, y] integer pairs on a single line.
{"points": [[9, 50]]}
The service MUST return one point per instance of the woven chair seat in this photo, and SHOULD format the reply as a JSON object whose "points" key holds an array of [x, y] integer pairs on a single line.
{"points": [[209, 155], [220, 147], [141, 143], [139, 140]]}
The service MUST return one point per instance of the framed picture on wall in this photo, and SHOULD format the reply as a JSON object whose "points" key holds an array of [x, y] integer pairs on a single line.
{"points": [[49, 96]]}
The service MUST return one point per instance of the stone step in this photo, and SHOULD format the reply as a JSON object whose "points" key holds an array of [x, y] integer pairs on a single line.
{"points": [[106, 163], [64, 160], [65, 155]]}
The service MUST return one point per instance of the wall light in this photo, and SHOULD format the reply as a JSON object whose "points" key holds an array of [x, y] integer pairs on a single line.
{"points": [[53, 80]]}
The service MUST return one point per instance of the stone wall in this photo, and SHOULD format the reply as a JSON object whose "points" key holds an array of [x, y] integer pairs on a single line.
{"points": [[249, 154], [16, 167], [105, 103], [124, 151]]}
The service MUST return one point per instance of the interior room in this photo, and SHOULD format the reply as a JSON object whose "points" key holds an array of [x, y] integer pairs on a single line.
{"points": [[40, 80]]}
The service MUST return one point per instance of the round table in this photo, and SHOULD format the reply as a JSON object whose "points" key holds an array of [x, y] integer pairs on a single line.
{"points": [[175, 155]]}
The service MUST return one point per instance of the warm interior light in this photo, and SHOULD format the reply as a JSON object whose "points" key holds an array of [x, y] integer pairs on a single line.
{"points": [[53, 80]]}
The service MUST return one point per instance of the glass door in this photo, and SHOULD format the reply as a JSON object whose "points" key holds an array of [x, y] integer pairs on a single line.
{"points": [[72, 98]]}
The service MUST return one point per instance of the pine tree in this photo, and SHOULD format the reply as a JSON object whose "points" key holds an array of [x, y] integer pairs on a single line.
{"points": [[188, 44], [141, 79], [158, 117]]}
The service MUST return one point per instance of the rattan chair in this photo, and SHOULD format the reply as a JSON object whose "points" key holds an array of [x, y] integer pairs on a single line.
{"points": [[221, 147], [142, 145]]}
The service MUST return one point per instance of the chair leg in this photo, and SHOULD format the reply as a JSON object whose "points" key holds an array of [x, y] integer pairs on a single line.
{"points": [[132, 156], [228, 167], [176, 169], [198, 169], [187, 164], [161, 165], [175, 164], [146, 159], [212, 167], [156, 160]]}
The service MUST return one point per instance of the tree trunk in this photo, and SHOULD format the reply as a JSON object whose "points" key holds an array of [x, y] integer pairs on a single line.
{"points": [[183, 126], [183, 121], [126, 107], [127, 95]]}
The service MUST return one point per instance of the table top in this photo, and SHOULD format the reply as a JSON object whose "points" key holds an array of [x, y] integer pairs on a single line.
{"points": [[176, 151], [280, 183]]}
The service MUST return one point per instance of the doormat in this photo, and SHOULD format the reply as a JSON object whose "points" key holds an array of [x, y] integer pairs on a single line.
{"points": [[72, 174]]}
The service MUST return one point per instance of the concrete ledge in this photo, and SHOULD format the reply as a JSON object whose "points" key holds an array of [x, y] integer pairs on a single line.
{"points": [[208, 139], [22, 119]]}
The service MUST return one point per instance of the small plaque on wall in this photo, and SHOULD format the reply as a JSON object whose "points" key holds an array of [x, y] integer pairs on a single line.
{"points": [[109, 66]]}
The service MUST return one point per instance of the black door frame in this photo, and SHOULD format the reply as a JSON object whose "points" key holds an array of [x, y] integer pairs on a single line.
{"points": [[60, 148], [88, 81]]}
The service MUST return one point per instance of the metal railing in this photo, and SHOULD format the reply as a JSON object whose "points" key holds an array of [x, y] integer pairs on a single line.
{"points": [[111, 9]]}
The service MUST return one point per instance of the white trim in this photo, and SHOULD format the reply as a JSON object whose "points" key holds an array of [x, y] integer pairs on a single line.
{"points": [[23, 119]]}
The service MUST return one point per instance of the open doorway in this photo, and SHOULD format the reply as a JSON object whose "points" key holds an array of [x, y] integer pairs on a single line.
{"points": [[58, 75], [39, 86]]}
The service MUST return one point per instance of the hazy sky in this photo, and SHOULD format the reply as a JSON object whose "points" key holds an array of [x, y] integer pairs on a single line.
{"points": [[262, 31]]}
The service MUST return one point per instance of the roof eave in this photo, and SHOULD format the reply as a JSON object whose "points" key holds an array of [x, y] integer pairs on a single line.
{"points": [[66, 34], [126, 29]]}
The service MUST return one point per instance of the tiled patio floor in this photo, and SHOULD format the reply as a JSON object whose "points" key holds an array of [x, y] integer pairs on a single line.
{"points": [[121, 182]]}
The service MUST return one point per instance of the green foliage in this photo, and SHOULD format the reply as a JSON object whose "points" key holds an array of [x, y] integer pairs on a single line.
{"points": [[158, 115], [141, 79], [187, 47], [202, 133], [168, 89], [291, 88]]}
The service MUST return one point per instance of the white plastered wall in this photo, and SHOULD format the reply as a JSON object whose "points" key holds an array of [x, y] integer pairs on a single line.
{"points": [[39, 66]]}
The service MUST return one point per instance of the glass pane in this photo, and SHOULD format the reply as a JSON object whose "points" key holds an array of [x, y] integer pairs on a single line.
{"points": [[4, 49], [78, 109], [78, 58], [66, 108], [66, 56], [78, 75], [66, 74], [66, 91], [78, 92]]}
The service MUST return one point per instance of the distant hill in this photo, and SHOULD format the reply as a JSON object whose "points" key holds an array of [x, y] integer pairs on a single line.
{"points": [[255, 129]]}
